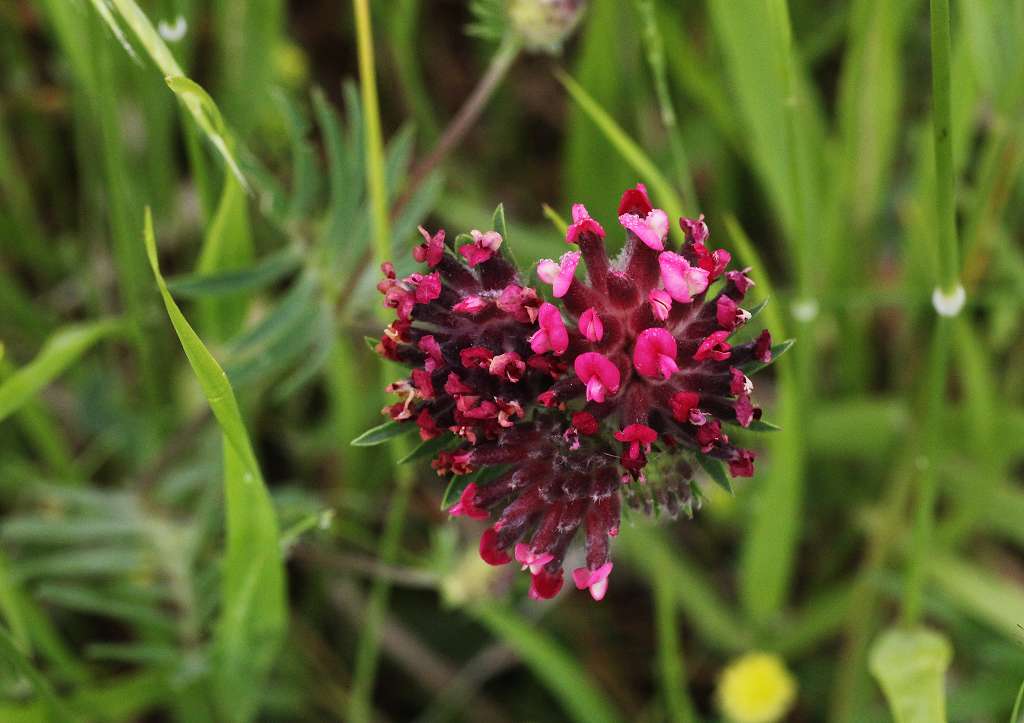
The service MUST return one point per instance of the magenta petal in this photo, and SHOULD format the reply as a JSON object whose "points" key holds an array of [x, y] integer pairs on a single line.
{"points": [[681, 280], [591, 325], [599, 374], [596, 580], [582, 223], [652, 229], [655, 353], [661, 303], [552, 336], [566, 272]]}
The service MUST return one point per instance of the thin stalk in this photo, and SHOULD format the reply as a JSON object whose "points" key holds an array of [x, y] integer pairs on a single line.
{"points": [[670, 658], [942, 127], [924, 510], [467, 116], [938, 365], [376, 182], [453, 134], [360, 707], [656, 59]]}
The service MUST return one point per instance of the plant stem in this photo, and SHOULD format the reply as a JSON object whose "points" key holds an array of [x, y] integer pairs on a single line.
{"points": [[375, 180], [942, 128], [467, 116], [368, 647], [456, 130], [656, 59], [924, 509]]}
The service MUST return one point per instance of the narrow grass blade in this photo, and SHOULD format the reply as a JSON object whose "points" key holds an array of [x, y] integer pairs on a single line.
{"points": [[253, 608], [260, 275], [554, 668], [198, 104], [59, 352], [630, 151]]}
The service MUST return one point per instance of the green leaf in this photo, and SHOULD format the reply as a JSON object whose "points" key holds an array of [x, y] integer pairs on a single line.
{"points": [[989, 598], [427, 448], [456, 486], [553, 666], [777, 350], [15, 660], [372, 342], [381, 434], [59, 352], [716, 470], [227, 246], [757, 309], [253, 614], [910, 666], [499, 224], [253, 278], [193, 97]]}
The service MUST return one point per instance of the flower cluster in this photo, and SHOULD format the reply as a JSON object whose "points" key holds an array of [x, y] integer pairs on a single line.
{"points": [[553, 408]]}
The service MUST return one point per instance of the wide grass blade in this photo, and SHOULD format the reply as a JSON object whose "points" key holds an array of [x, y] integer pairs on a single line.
{"points": [[59, 352], [253, 608]]}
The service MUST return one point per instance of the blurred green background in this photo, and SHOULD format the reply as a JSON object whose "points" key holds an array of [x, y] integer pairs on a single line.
{"points": [[159, 562]]}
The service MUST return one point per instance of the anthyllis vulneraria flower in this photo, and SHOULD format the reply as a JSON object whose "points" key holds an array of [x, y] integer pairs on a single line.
{"points": [[549, 411]]}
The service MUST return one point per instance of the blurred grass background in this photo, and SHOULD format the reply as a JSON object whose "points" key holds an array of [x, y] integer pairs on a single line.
{"points": [[160, 562]]}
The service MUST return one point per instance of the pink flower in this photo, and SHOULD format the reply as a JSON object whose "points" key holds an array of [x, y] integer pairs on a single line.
{"points": [[763, 347], [428, 288], [636, 201], [651, 229], [484, 245], [509, 366], [431, 250], [591, 326], [530, 560], [582, 224], [655, 353], [490, 549], [585, 423], [637, 435], [594, 580], [471, 305], [740, 280], [476, 357], [744, 410], [714, 347], [682, 403], [661, 303], [695, 229], [743, 464], [465, 505], [597, 372], [681, 280], [435, 358], [552, 336], [728, 313], [560, 275], [545, 585], [739, 383]]}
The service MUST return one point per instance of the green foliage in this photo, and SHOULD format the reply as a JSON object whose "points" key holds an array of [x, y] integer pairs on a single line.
{"points": [[910, 665]]}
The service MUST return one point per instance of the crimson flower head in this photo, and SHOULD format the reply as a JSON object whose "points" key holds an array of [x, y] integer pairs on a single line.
{"points": [[549, 406]]}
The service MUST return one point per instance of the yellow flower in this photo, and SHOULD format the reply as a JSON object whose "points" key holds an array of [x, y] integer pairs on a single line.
{"points": [[756, 688]]}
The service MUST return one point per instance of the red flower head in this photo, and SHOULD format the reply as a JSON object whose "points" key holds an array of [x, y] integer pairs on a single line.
{"points": [[553, 409]]}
